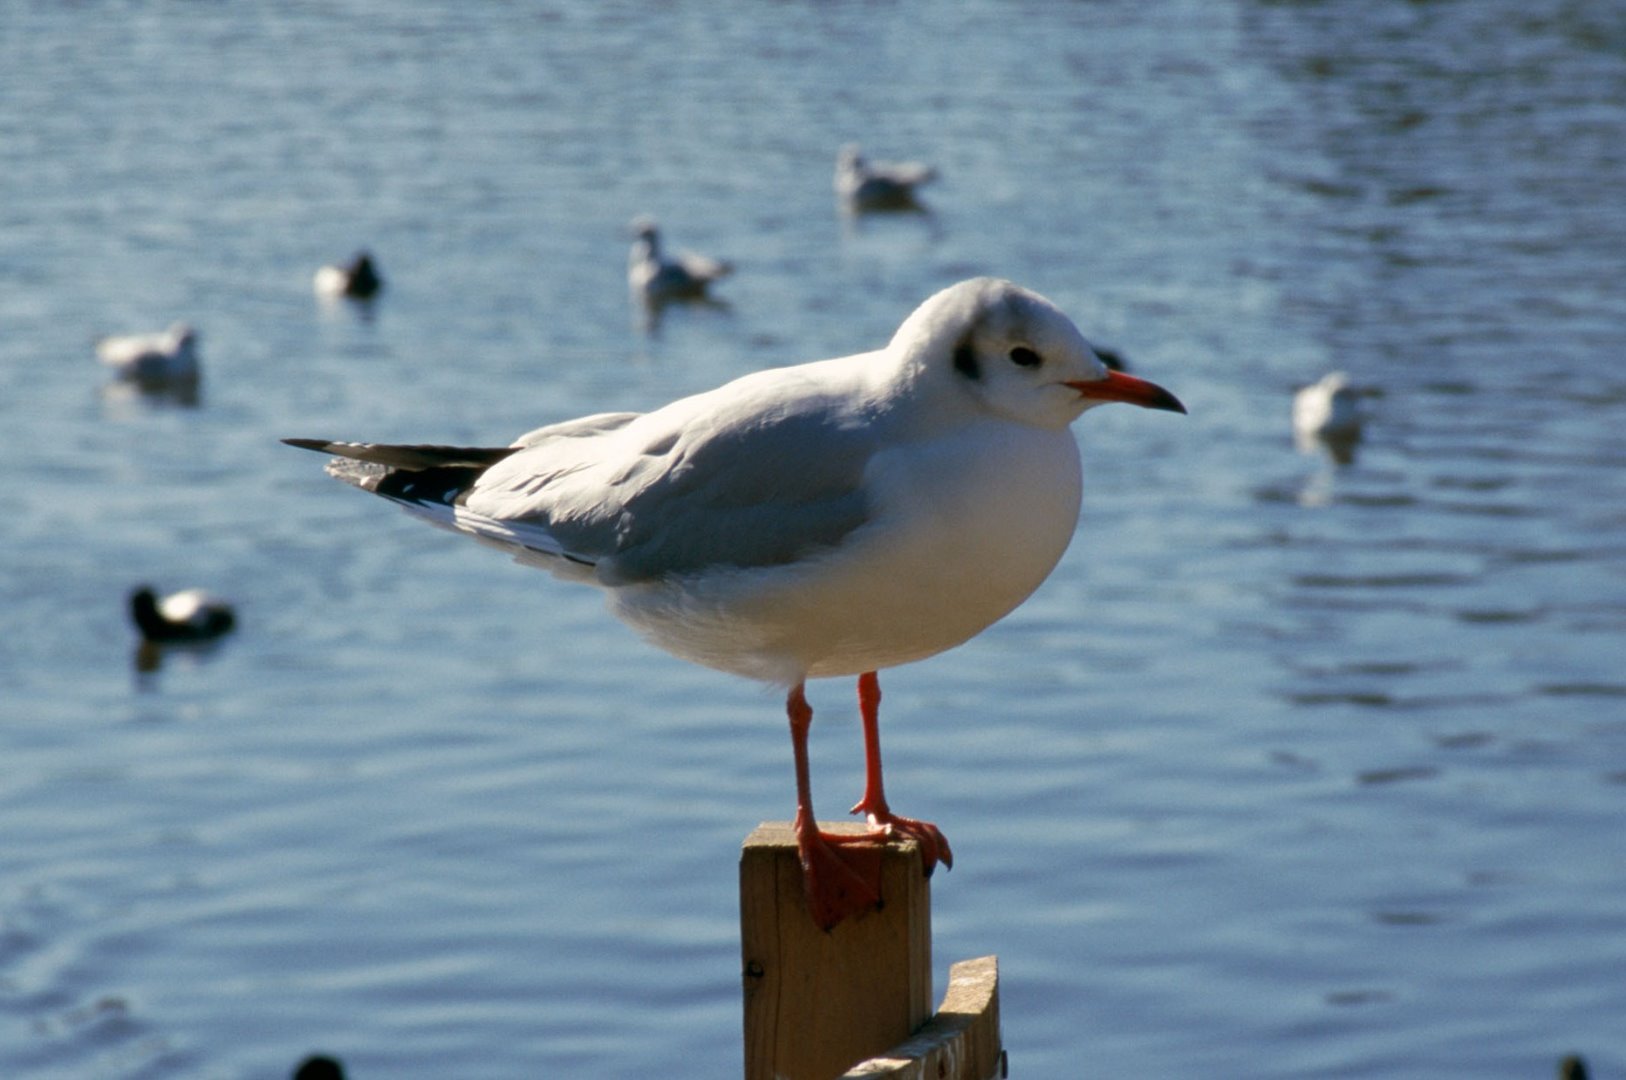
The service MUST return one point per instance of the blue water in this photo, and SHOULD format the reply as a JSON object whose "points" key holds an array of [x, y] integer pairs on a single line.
{"points": [[1291, 770]]}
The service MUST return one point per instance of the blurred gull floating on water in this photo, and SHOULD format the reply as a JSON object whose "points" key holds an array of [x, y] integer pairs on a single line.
{"points": [[165, 360], [1327, 414], [656, 279], [878, 185]]}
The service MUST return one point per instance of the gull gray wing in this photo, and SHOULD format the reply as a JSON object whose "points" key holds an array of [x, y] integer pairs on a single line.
{"points": [[582, 427], [759, 476]]}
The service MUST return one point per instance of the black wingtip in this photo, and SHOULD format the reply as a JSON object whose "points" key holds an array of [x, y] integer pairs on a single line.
{"points": [[319, 445]]}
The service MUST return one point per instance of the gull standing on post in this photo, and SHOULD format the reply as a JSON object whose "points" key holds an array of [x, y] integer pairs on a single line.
{"points": [[826, 519]]}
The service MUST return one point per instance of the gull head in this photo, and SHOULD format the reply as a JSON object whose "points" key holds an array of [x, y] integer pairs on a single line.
{"points": [[1014, 353], [644, 229]]}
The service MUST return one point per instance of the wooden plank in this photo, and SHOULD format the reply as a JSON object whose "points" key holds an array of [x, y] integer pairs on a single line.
{"points": [[960, 1043], [817, 1002]]}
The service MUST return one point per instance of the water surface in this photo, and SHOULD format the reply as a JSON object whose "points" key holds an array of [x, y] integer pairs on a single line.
{"points": [[1292, 769]]}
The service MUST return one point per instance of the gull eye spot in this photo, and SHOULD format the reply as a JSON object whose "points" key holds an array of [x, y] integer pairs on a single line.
{"points": [[1022, 356], [965, 362]]}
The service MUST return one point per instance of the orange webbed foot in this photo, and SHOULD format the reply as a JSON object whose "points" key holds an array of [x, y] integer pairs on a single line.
{"points": [[841, 874], [934, 846]]}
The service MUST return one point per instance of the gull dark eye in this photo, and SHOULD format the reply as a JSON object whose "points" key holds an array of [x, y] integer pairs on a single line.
{"points": [[1022, 356]]}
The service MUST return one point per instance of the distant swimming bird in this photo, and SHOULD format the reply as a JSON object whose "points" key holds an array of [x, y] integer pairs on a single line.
{"points": [[166, 359], [319, 1067], [356, 280], [1328, 412], [878, 185], [656, 278], [830, 518], [192, 615], [1572, 1067]]}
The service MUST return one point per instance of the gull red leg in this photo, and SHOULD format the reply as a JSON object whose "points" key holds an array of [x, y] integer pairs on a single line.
{"points": [[933, 845], [840, 881]]}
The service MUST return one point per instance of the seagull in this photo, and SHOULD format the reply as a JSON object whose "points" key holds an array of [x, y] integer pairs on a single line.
{"points": [[356, 280], [879, 185], [1328, 413], [826, 519], [192, 615], [656, 279], [166, 359]]}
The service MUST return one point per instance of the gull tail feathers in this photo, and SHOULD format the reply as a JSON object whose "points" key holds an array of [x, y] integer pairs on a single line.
{"points": [[431, 482], [704, 267], [422, 474]]}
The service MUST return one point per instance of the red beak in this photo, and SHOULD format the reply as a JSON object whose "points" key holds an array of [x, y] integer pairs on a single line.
{"points": [[1120, 387]]}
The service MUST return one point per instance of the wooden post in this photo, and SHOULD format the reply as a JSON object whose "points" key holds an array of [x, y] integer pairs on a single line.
{"points": [[818, 1003], [960, 1043]]}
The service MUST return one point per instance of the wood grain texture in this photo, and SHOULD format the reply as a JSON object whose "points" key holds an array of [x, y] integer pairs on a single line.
{"points": [[816, 1002]]}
